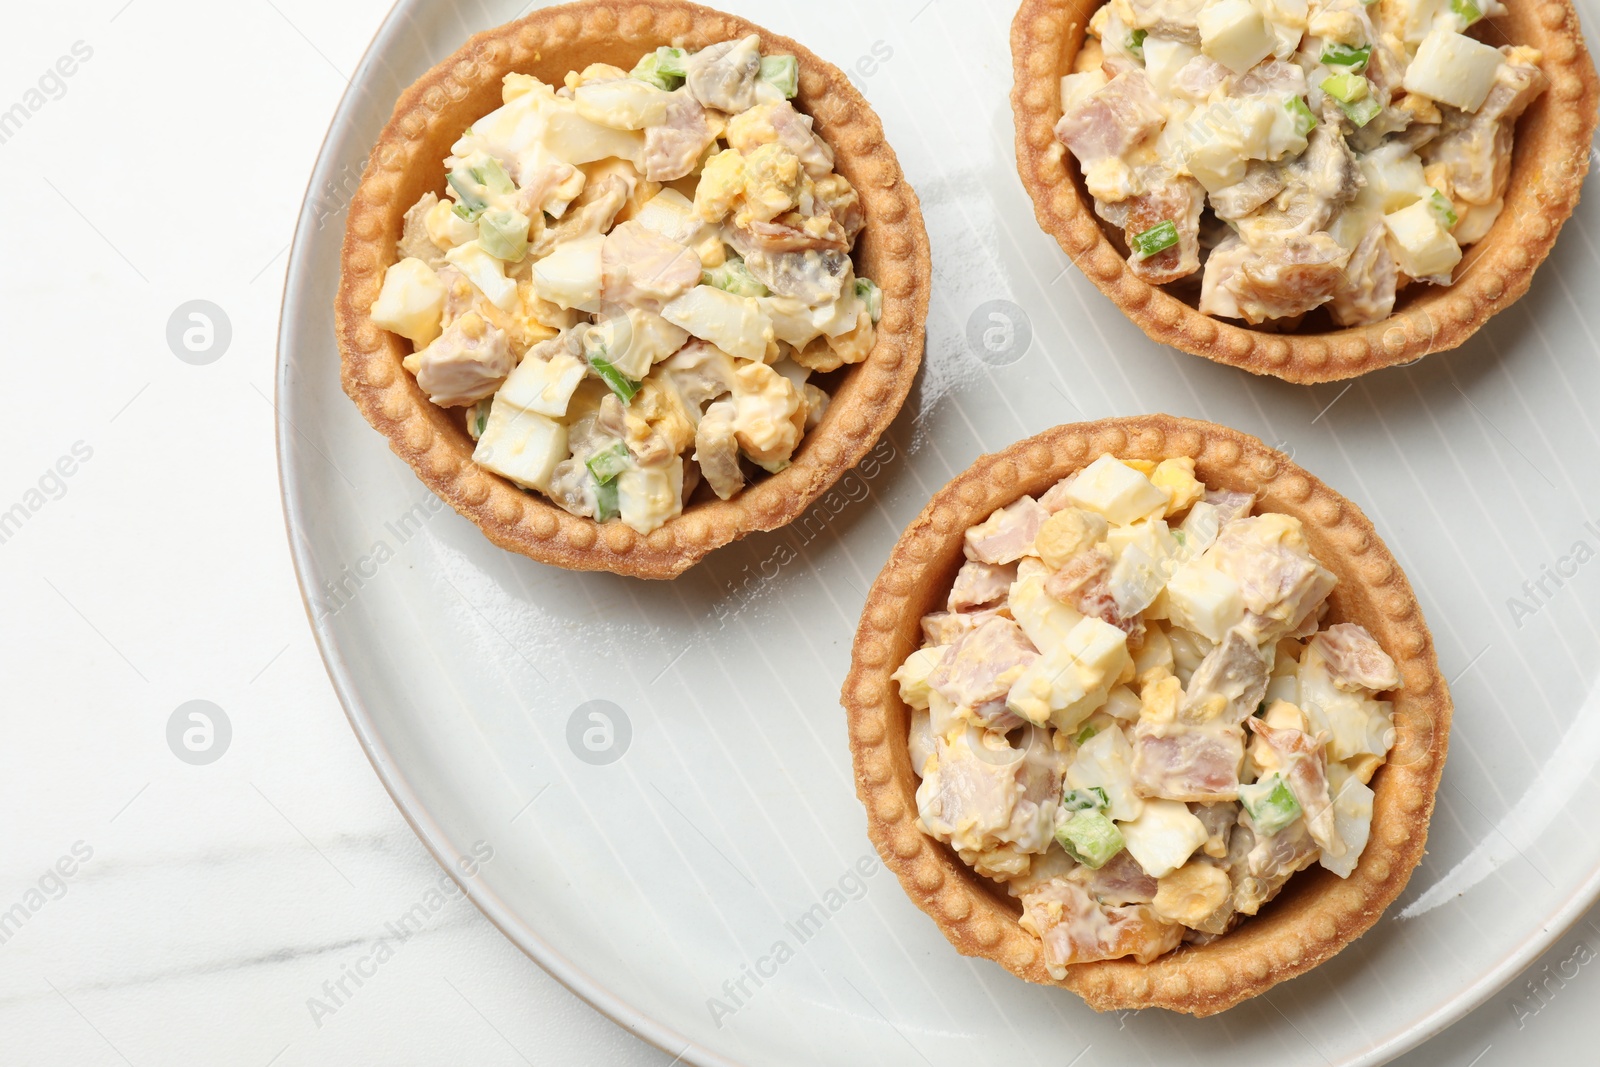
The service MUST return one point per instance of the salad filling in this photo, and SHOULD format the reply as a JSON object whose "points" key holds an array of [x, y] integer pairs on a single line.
{"points": [[636, 283], [1130, 714], [1273, 157]]}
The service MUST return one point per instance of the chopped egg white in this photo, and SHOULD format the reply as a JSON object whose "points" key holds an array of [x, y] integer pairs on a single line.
{"points": [[650, 496], [411, 302], [1235, 34], [1453, 69], [912, 675], [1046, 620], [486, 273], [735, 324], [521, 445], [544, 386], [622, 104], [571, 274], [1068, 682], [1164, 836], [1422, 246], [1115, 490], [1352, 817], [1163, 58], [1203, 599]]}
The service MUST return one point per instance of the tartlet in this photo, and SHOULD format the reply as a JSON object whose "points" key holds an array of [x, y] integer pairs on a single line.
{"points": [[1548, 167], [1317, 914], [430, 116]]}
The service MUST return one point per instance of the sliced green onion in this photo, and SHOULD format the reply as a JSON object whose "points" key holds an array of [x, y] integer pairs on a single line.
{"points": [[1136, 43], [1090, 838], [625, 388], [1158, 238], [1346, 88], [669, 61], [1468, 11], [504, 234], [872, 296], [1085, 734], [662, 68], [1353, 94], [474, 185], [782, 73], [478, 418], [1180, 537], [1304, 120], [606, 506], [606, 464], [648, 70], [469, 205], [1362, 111], [494, 176], [1443, 208], [1094, 798], [1342, 55], [1270, 803], [734, 277]]}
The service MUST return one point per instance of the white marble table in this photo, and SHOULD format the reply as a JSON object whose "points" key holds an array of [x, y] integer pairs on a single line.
{"points": [[157, 910]]}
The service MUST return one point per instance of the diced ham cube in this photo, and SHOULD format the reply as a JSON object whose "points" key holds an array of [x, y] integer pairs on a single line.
{"points": [[1230, 505], [1230, 682], [1189, 763], [980, 584], [944, 627], [466, 363], [983, 663], [1075, 928], [1296, 275], [1056, 497], [673, 148], [1113, 119], [1120, 881], [1355, 660], [966, 795], [1178, 201], [1259, 866], [1007, 535]]}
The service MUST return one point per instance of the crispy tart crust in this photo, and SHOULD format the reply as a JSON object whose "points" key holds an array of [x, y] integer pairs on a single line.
{"points": [[1550, 160], [1317, 914], [429, 117]]}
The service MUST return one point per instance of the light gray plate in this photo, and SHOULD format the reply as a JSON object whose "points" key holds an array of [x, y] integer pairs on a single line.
{"points": [[703, 888]]}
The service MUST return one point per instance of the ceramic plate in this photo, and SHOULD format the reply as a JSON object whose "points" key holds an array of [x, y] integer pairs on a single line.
{"points": [[661, 770]]}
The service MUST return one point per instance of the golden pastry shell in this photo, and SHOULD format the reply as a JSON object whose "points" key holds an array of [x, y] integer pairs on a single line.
{"points": [[406, 163], [1317, 914], [1550, 160]]}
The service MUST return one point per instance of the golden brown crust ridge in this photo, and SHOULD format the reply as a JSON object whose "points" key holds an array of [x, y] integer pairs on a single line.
{"points": [[1317, 914], [405, 163], [1548, 166]]}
